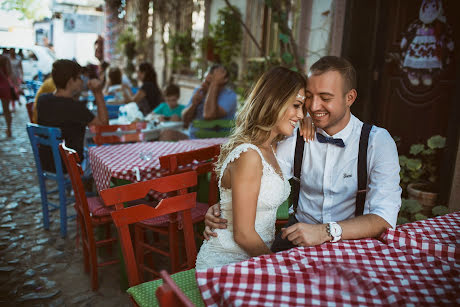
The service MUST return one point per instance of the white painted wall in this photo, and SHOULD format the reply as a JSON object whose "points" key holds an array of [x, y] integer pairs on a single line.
{"points": [[320, 31], [73, 45]]}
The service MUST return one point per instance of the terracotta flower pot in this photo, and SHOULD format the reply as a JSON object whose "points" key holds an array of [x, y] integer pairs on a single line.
{"points": [[426, 199]]}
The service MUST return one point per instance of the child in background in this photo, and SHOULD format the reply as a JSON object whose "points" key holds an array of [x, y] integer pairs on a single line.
{"points": [[171, 109]]}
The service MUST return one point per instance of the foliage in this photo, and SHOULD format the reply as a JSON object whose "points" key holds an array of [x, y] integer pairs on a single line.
{"points": [[126, 43], [226, 35], [255, 68], [411, 211], [288, 51], [422, 166], [29, 9], [182, 46]]}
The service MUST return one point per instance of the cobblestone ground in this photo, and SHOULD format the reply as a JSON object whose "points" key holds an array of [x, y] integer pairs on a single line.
{"points": [[37, 266]]}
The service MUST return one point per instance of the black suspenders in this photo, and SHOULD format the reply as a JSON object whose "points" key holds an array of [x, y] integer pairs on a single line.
{"points": [[362, 169]]}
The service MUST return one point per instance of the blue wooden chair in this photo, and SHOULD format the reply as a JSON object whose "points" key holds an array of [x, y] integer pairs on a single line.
{"points": [[113, 111], [50, 136]]}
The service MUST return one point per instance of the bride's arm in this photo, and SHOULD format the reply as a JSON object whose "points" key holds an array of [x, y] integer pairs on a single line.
{"points": [[246, 173]]}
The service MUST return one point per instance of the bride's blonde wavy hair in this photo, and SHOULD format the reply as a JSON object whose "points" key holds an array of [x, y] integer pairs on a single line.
{"points": [[265, 105]]}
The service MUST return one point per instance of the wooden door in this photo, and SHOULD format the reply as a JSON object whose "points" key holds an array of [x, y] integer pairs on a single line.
{"points": [[409, 109]]}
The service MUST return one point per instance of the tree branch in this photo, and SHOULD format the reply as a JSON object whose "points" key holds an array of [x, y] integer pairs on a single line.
{"points": [[246, 29]]}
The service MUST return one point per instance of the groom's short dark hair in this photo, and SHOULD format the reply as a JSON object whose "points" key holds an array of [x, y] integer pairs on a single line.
{"points": [[341, 65]]}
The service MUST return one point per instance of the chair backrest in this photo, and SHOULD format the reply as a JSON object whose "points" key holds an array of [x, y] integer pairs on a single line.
{"points": [[169, 294], [30, 112], [131, 133], [182, 203], [72, 163], [46, 136], [200, 160], [112, 110], [212, 128]]}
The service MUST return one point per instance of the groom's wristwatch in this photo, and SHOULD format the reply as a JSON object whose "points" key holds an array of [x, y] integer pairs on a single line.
{"points": [[334, 230]]}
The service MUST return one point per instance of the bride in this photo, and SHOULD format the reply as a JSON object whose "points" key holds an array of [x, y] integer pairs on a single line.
{"points": [[251, 184]]}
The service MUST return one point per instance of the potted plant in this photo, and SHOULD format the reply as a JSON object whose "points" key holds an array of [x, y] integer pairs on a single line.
{"points": [[420, 172], [411, 211]]}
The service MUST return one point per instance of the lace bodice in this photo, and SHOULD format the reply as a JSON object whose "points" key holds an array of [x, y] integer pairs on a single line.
{"points": [[274, 190]]}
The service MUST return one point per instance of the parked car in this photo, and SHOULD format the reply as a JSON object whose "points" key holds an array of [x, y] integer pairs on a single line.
{"points": [[36, 60]]}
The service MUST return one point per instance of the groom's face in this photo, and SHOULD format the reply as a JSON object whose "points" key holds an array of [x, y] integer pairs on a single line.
{"points": [[327, 103]]}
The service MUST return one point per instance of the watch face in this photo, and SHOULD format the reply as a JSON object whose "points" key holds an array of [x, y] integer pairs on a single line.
{"points": [[336, 230]]}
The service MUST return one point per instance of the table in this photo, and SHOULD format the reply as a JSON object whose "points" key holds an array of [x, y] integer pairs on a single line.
{"points": [[415, 264], [123, 161], [150, 133]]}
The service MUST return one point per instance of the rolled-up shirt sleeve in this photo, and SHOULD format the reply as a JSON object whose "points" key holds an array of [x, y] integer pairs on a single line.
{"points": [[384, 192]]}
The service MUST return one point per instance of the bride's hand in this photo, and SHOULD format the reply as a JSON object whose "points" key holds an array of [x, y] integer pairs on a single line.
{"points": [[212, 221], [307, 129]]}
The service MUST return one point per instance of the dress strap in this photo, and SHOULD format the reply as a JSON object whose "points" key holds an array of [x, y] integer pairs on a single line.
{"points": [[235, 154]]}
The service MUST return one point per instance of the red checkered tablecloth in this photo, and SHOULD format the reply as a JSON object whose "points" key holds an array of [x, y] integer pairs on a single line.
{"points": [[416, 264], [121, 161]]}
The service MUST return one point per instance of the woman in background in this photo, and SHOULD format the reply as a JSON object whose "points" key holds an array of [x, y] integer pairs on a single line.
{"points": [[149, 96], [115, 87], [6, 91]]}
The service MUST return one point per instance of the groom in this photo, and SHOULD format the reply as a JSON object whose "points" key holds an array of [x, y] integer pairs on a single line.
{"points": [[326, 208]]}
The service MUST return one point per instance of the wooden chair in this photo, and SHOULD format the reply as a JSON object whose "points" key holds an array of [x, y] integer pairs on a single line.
{"points": [[91, 213], [216, 128], [50, 137], [200, 160], [169, 294], [107, 134], [178, 205]]}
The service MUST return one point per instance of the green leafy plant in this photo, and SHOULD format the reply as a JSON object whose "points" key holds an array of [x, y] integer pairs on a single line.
{"points": [[411, 211], [225, 36], [126, 44], [422, 165], [182, 46]]}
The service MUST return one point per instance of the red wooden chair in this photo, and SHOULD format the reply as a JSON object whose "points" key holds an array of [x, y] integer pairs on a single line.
{"points": [[91, 213], [200, 160], [169, 294], [133, 133], [180, 204]]}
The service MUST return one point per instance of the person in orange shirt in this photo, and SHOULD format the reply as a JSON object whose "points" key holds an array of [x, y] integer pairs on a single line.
{"points": [[48, 86]]}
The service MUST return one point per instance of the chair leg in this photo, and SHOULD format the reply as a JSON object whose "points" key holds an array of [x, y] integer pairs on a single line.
{"points": [[44, 197], [86, 256], [62, 208], [139, 237], [108, 234], [94, 268], [174, 247]]}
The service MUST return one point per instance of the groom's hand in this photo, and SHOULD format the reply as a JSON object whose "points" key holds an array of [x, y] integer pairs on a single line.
{"points": [[212, 221], [302, 234]]}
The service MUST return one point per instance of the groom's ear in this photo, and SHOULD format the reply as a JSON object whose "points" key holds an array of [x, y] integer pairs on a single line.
{"points": [[350, 97]]}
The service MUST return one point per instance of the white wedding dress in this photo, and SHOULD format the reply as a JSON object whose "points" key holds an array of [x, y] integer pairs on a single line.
{"points": [[274, 190]]}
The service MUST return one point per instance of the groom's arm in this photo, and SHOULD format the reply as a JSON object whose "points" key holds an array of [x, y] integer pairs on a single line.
{"points": [[383, 199]]}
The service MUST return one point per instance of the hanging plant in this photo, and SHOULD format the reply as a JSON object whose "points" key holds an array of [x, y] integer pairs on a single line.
{"points": [[126, 44], [182, 46], [226, 35]]}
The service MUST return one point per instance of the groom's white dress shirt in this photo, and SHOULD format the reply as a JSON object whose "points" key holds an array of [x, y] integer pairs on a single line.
{"points": [[329, 175]]}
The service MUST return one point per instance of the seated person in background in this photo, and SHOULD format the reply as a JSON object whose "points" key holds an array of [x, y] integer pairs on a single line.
{"points": [[115, 87], [212, 100], [47, 87], [171, 109], [149, 96], [63, 111], [102, 69]]}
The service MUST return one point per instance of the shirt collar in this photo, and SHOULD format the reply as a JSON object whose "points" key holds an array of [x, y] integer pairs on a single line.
{"points": [[343, 134]]}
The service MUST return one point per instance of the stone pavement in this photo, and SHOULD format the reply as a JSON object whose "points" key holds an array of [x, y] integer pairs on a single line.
{"points": [[38, 267]]}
